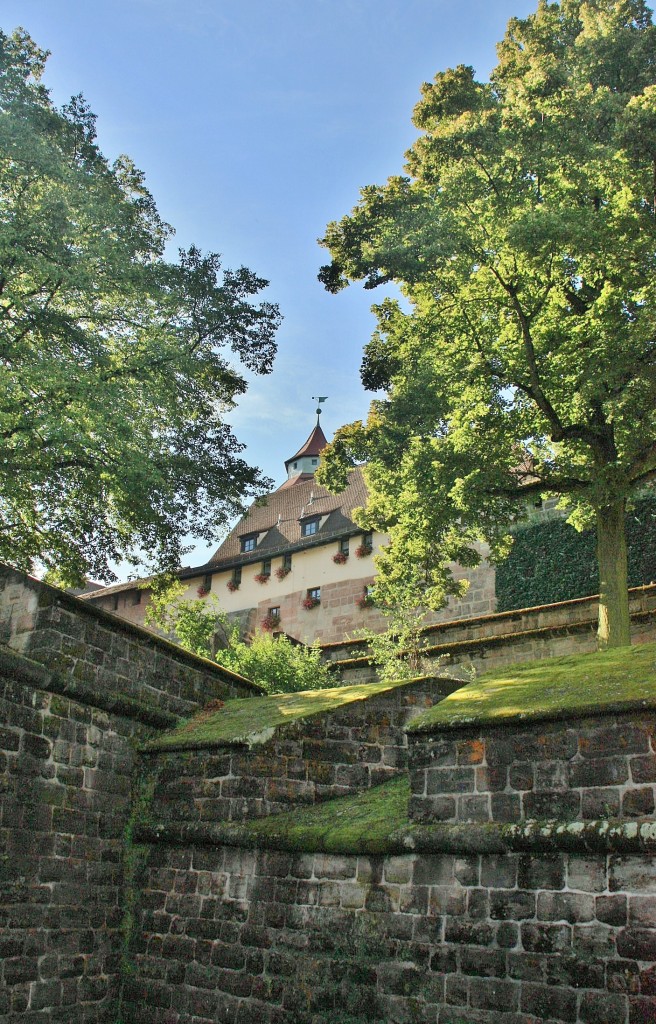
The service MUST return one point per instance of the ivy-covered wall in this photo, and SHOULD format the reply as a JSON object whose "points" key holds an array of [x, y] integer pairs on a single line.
{"points": [[550, 561]]}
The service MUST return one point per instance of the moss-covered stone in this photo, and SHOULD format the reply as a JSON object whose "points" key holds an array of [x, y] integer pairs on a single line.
{"points": [[250, 721], [606, 682]]}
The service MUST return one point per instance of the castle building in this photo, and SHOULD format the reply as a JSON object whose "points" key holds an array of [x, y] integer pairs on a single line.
{"points": [[296, 562]]}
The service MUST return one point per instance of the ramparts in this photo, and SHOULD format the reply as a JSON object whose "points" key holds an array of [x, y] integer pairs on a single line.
{"points": [[533, 899]]}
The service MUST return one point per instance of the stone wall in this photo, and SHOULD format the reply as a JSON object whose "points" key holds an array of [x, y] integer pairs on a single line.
{"points": [[70, 718], [575, 770], [104, 653], [336, 753], [490, 641], [67, 772], [247, 937]]}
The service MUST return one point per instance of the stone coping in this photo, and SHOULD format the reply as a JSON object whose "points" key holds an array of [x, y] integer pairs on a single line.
{"points": [[23, 670], [513, 613], [578, 837], [245, 722], [118, 625], [616, 681]]}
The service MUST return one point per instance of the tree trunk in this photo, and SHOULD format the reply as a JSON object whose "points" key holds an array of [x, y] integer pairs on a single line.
{"points": [[614, 624]]}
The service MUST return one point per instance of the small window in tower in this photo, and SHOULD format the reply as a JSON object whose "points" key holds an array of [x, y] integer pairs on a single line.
{"points": [[315, 462], [287, 562], [236, 575], [135, 597], [266, 567], [296, 465], [344, 546]]}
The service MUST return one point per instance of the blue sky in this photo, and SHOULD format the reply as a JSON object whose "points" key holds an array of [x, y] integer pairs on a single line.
{"points": [[256, 123]]}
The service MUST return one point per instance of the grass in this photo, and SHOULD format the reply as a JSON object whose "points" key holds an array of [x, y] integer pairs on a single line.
{"points": [[618, 680], [253, 719], [354, 824]]}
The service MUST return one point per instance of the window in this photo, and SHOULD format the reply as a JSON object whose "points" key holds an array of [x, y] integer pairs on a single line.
{"points": [[314, 593], [309, 527], [207, 582], [344, 546], [315, 462], [296, 465], [249, 543], [236, 575], [368, 539], [135, 597], [266, 567], [287, 562], [115, 603], [274, 613]]}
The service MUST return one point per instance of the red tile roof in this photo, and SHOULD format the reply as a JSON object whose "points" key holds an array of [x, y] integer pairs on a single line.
{"points": [[277, 517], [314, 445]]}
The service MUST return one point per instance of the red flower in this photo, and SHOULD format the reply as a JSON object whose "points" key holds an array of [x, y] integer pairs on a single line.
{"points": [[282, 571], [340, 558], [270, 622], [203, 591], [232, 586], [363, 550], [311, 602], [262, 577]]}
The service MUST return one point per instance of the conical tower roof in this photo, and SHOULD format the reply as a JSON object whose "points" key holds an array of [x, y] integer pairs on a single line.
{"points": [[314, 445]]}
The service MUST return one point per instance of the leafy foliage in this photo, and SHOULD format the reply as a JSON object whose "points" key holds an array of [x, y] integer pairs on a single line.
{"points": [[114, 379], [523, 239], [549, 561], [274, 662]]}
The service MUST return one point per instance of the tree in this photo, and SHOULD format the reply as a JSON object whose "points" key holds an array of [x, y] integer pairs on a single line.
{"points": [[522, 362], [115, 380], [274, 662]]}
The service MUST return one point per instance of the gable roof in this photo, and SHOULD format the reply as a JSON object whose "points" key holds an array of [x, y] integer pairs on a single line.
{"points": [[278, 517]]}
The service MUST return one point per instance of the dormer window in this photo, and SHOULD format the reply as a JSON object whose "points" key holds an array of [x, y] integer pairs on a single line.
{"points": [[249, 543], [310, 527]]}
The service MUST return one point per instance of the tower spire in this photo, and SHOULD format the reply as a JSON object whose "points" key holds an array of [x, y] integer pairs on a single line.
{"points": [[324, 398]]}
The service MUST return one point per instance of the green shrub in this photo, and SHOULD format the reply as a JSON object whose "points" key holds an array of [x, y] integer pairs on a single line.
{"points": [[278, 665]]}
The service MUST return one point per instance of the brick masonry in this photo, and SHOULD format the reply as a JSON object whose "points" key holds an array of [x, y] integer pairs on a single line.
{"points": [[222, 935], [247, 937], [581, 769], [67, 773], [329, 755], [100, 651]]}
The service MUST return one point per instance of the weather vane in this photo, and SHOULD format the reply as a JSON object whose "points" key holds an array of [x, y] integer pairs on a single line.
{"points": [[323, 398]]}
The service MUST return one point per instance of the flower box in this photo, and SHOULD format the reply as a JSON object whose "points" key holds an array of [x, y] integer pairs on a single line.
{"points": [[270, 622], [311, 602], [203, 591], [232, 586], [282, 571], [262, 577], [340, 558], [363, 550], [365, 601]]}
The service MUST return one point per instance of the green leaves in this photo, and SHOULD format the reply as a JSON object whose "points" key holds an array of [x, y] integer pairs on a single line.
{"points": [[113, 365], [524, 242]]}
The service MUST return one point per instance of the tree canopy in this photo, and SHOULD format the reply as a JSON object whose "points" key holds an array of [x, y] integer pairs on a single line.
{"points": [[117, 366], [521, 359]]}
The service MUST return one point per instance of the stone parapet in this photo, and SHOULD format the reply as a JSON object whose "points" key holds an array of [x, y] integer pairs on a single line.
{"points": [[335, 753], [100, 651], [576, 770]]}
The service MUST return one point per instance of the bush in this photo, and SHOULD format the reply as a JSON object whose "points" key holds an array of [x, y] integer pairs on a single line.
{"points": [[274, 662]]}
